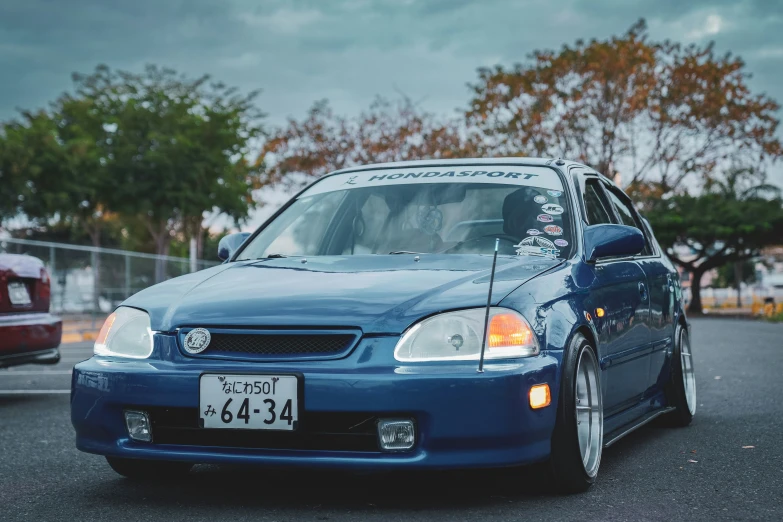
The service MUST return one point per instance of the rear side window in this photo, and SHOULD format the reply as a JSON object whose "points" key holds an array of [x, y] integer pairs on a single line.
{"points": [[595, 208], [628, 216]]}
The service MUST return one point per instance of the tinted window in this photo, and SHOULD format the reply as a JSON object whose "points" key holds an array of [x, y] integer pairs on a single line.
{"points": [[594, 205], [301, 231], [627, 217]]}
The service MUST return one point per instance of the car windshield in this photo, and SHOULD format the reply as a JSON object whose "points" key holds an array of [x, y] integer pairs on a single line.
{"points": [[399, 211]]}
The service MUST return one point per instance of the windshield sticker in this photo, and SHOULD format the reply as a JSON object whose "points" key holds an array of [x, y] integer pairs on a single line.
{"points": [[545, 218], [539, 177], [553, 230], [554, 193], [553, 209], [561, 242], [533, 232], [536, 246], [540, 199]]}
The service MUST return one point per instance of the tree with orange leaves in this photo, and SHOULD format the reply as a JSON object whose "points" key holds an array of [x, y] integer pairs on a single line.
{"points": [[388, 131], [658, 112]]}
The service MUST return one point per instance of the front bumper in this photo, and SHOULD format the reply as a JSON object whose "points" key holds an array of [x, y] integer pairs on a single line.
{"points": [[463, 418], [29, 338]]}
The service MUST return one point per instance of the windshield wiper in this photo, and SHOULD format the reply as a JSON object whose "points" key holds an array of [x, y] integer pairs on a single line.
{"points": [[394, 252], [273, 256]]}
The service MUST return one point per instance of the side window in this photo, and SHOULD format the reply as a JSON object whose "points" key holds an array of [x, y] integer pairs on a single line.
{"points": [[595, 207], [628, 216], [304, 234]]}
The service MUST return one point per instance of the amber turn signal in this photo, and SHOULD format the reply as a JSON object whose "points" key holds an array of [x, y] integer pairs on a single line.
{"points": [[508, 330], [540, 396], [105, 329]]}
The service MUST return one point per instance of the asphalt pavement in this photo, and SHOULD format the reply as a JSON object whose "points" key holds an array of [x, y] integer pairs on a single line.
{"points": [[728, 465]]}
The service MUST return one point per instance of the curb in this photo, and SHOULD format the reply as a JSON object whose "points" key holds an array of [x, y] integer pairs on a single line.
{"points": [[78, 337]]}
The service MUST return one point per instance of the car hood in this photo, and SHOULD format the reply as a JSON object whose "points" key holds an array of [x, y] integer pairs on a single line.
{"points": [[378, 294]]}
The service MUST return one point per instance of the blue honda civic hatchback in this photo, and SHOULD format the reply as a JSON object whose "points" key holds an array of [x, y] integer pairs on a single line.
{"points": [[417, 315]]}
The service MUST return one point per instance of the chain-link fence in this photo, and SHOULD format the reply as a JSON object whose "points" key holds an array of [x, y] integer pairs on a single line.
{"points": [[89, 282]]}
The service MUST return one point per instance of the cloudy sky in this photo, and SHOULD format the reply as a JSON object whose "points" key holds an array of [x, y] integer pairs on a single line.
{"points": [[348, 51]]}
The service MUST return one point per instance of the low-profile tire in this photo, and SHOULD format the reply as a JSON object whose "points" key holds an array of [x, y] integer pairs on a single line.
{"points": [[681, 387], [148, 469], [577, 441]]}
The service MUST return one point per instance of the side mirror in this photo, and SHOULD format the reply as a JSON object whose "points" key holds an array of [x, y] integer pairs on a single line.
{"points": [[230, 244], [612, 241]]}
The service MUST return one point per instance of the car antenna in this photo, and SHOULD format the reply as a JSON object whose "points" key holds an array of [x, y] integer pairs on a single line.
{"points": [[489, 304]]}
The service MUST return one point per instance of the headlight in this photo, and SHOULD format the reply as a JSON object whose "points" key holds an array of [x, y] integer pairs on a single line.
{"points": [[456, 336], [126, 333]]}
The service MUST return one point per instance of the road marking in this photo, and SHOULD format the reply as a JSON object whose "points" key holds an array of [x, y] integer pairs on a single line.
{"points": [[33, 392], [44, 372]]}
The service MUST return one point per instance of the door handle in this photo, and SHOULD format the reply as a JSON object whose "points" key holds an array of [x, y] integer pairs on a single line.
{"points": [[643, 291]]}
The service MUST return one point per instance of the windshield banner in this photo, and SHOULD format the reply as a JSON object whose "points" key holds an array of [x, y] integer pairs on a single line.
{"points": [[540, 177]]}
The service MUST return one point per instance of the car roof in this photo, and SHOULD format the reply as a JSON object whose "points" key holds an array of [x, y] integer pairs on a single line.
{"points": [[513, 160]]}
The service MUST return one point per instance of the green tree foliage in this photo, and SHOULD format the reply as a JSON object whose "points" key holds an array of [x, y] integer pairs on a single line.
{"points": [[155, 150], [29, 150], [175, 148], [727, 274], [731, 221]]}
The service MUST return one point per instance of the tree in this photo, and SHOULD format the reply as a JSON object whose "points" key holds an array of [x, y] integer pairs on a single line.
{"points": [[657, 111], [56, 157], [388, 131], [728, 223], [171, 148], [733, 275], [29, 149]]}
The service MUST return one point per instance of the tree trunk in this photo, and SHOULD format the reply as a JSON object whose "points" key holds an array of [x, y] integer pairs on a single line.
{"points": [[738, 282], [162, 243], [200, 242], [694, 307], [162, 239]]}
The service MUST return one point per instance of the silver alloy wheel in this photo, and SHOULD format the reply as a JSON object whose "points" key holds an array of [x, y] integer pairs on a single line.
{"points": [[589, 412], [688, 377]]}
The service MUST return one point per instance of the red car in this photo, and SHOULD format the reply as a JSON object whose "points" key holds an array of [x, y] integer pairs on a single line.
{"points": [[28, 332]]}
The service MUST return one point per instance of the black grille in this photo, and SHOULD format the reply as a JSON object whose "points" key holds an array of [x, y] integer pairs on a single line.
{"points": [[325, 431], [278, 345]]}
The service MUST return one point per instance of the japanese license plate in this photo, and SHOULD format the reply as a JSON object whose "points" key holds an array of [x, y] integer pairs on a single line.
{"points": [[254, 402], [17, 294]]}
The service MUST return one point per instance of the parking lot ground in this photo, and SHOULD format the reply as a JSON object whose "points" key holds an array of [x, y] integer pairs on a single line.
{"points": [[727, 466]]}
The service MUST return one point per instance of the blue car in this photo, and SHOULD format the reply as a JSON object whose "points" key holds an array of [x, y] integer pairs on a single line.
{"points": [[403, 316]]}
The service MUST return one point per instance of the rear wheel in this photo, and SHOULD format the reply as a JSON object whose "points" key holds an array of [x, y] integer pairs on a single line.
{"points": [[577, 442], [148, 469], [681, 388]]}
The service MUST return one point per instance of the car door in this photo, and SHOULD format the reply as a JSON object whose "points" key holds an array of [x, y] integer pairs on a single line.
{"points": [[663, 279], [623, 324], [659, 286]]}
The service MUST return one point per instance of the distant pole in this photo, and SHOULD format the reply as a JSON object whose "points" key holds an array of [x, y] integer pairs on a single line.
{"points": [[127, 277], [193, 260], [52, 275]]}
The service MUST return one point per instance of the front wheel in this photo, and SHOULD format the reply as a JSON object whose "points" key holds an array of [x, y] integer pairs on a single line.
{"points": [[681, 388], [577, 441], [148, 469]]}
